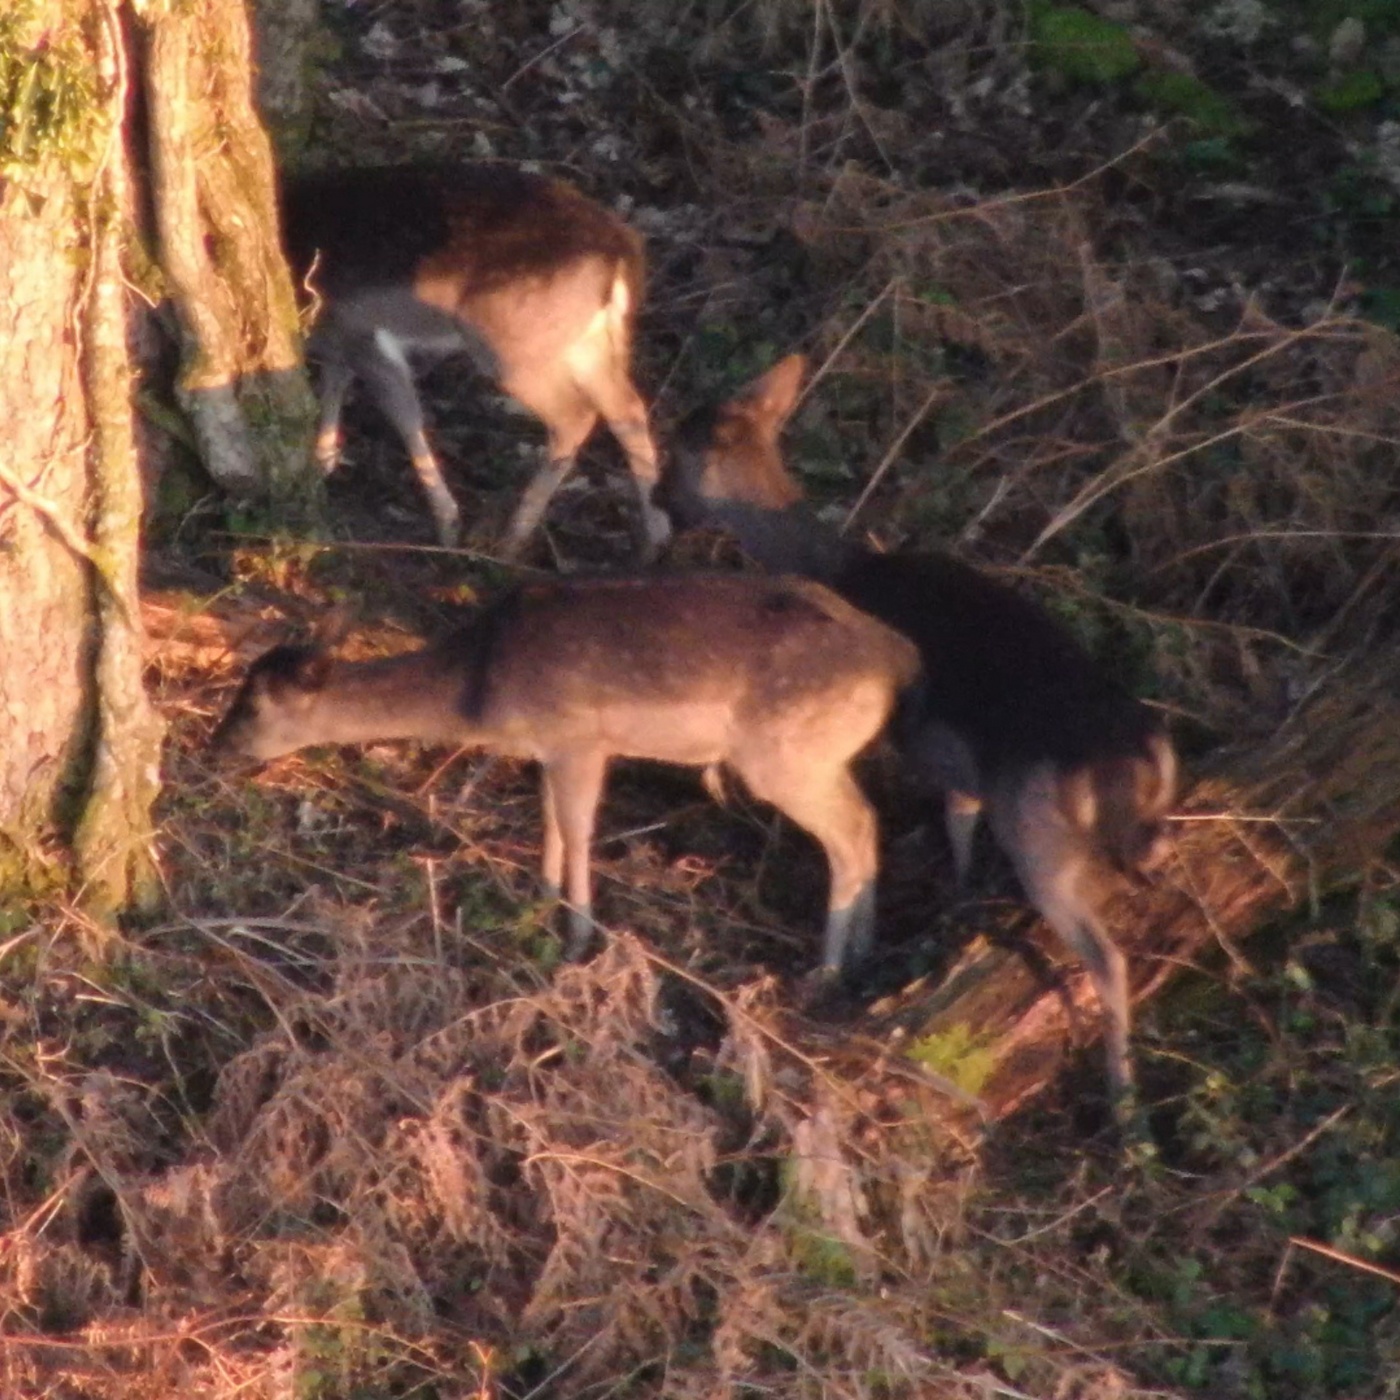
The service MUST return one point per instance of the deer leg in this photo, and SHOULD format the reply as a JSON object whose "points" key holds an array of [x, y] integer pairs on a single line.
{"points": [[569, 419], [335, 348], [387, 375], [552, 862], [1073, 918], [572, 786], [944, 760], [962, 812], [533, 503], [625, 413], [828, 805], [1054, 864], [336, 377]]}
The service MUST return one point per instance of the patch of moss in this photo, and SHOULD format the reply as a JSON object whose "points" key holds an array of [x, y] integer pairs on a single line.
{"points": [[1363, 87], [1081, 46], [49, 99], [813, 1249], [1183, 95], [956, 1055]]}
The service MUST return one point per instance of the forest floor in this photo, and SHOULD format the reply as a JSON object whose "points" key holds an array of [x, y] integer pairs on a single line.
{"points": [[1103, 300]]}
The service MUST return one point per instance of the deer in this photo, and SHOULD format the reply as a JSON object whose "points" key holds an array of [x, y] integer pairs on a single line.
{"points": [[1013, 722], [535, 282], [777, 680]]}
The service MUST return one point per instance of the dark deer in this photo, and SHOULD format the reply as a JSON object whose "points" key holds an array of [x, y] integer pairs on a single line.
{"points": [[535, 282], [1013, 718], [780, 680]]}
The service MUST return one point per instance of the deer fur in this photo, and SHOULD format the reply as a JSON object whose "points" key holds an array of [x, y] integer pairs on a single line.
{"points": [[779, 680], [1013, 720], [534, 281]]}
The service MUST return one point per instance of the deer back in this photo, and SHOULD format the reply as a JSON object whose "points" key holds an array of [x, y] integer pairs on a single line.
{"points": [[679, 668], [525, 261], [707, 655]]}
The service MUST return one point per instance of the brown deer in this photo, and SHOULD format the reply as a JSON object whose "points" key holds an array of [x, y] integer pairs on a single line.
{"points": [[535, 282], [780, 680], [1013, 719]]}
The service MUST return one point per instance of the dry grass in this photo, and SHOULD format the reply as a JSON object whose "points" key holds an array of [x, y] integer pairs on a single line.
{"points": [[338, 1123]]}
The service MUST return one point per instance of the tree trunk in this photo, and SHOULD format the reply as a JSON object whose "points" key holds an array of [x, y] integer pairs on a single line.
{"points": [[78, 743], [214, 189]]}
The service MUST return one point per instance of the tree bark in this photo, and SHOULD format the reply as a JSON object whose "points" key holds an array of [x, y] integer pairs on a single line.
{"points": [[242, 381], [78, 742]]}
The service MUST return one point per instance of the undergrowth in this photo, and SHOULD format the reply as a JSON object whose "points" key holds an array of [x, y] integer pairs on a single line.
{"points": [[339, 1122]]}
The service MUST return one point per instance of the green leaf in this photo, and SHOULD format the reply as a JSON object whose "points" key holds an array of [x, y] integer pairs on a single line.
{"points": [[1183, 95], [1081, 46], [1363, 87]]}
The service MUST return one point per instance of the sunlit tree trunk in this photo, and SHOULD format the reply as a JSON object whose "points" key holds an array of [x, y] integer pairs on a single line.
{"points": [[213, 186], [79, 744]]}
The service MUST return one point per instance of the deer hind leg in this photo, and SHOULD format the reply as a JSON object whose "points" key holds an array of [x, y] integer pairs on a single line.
{"points": [[336, 347], [1055, 864], [828, 805], [386, 372], [335, 380], [962, 811], [623, 409], [569, 419], [944, 760], [571, 786]]}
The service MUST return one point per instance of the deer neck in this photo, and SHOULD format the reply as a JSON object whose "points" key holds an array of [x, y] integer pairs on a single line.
{"points": [[791, 541], [417, 696]]}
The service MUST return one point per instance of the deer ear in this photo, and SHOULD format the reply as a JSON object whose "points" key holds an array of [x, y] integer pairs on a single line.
{"points": [[773, 396], [334, 626]]}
